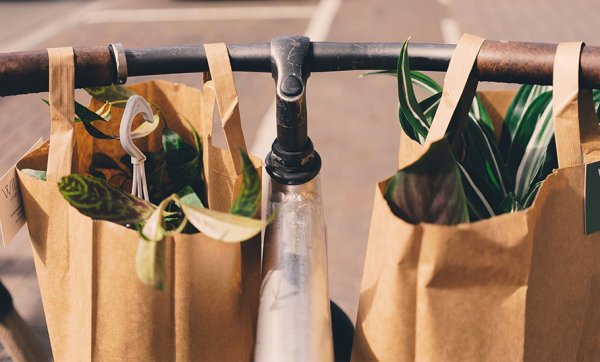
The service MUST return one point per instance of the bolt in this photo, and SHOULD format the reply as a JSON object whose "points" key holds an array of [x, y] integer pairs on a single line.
{"points": [[291, 86]]}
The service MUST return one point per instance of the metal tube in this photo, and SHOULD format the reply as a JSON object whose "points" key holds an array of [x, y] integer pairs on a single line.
{"points": [[294, 322], [511, 62]]}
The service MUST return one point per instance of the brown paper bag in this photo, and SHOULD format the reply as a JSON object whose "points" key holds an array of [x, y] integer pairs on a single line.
{"points": [[518, 286], [95, 307]]}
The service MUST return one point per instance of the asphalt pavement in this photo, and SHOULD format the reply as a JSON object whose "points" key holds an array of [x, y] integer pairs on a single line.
{"points": [[352, 120]]}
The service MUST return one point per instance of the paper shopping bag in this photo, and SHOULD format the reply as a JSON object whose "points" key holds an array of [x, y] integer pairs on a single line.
{"points": [[517, 286], [96, 308]]}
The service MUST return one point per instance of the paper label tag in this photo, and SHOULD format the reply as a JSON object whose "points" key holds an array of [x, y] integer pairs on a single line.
{"points": [[12, 214], [591, 197]]}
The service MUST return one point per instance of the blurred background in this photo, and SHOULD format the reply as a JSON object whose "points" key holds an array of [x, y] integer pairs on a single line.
{"points": [[352, 120]]}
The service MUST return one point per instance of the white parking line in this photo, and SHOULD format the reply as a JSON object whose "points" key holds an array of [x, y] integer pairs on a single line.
{"points": [[317, 30], [320, 22], [199, 14], [450, 31]]}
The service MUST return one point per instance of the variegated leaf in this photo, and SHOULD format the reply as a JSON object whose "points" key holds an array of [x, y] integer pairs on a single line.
{"points": [[151, 248], [100, 200], [112, 93], [222, 226]]}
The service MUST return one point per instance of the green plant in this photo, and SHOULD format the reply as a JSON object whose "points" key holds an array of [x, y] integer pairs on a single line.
{"points": [[496, 177], [176, 185], [430, 189], [96, 198]]}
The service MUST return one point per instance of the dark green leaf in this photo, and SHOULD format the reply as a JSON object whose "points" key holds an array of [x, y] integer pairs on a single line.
{"points": [[111, 93], [482, 199], [99, 200], [379, 72], [525, 128], [482, 155], [429, 190], [408, 104], [481, 152], [515, 113], [87, 116], [247, 201], [428, 106], [176, 150], [482, 116], [596, 97], [183, 163], [98, 174], [509, 204], [102, 160], [155, 166], [418, 78], [530, 144], [425, 82]]}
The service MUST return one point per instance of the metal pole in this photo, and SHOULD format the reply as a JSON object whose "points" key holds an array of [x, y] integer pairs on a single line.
{"points": [[294, 321], [511, 62]]}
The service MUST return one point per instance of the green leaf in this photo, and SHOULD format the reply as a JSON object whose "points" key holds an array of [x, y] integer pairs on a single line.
{"points": [[85, 115], [425, 82], [379, 72], [418, 78], [189, 197], [99, 200], [40, 175], [141, 131], [247, 201], [429, 190], [112, 93], [516, 112], [532, 194], [175, 147], [482, 155], [408, 105], [222, 226], [530, 144], [102, 160], [477, 191], [155, 166], [481, 152], [429, 107], [151, 249], [509, 204], [481, 115], [183, 162], [596, 98]]}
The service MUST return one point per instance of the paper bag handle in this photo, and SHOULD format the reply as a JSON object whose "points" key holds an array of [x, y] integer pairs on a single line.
{"points": [[227, 100], [61, 67], [576, 127], [459, 88]]}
